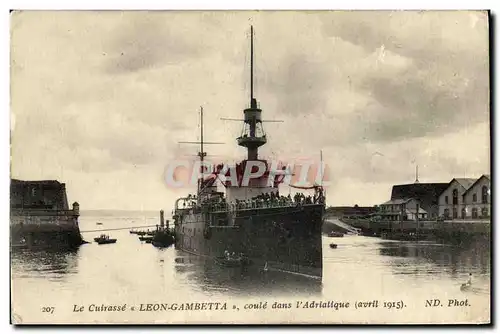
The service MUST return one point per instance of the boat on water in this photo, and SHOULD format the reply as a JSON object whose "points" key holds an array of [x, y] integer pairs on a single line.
{"points": [[163, 237], [251, 218], [236, 262], [336, 234], [104, 239], [333, 246], [232, 260], [98, 223]]}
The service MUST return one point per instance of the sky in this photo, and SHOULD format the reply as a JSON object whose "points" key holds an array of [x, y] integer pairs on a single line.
{"points": [[100, 100]]}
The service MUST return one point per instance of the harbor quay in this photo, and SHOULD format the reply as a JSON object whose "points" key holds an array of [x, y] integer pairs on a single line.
{"points": [[455, 209], [413, 229]]}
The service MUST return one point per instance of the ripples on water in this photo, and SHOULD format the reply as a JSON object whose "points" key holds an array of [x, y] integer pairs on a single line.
{"points": [[131, 268]]}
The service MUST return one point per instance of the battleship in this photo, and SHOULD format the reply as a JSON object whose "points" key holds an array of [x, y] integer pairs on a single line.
{"points": [[248, 223]]}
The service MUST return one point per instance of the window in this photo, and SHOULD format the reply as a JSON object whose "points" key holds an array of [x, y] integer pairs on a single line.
{"points": [[455, 196], [484, 194], [446, 199], [455, 213], [484, 212], [474, 212], [447, 213], [464, 213], [474, 198]]}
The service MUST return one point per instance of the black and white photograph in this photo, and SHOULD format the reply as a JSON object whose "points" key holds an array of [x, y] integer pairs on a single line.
{"points": [[250, 167]]}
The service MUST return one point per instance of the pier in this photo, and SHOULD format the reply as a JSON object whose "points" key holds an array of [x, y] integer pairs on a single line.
{"points": [[41, 217]]}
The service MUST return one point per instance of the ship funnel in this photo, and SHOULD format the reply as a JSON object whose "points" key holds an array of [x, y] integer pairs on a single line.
{"points": [[162, 219]]}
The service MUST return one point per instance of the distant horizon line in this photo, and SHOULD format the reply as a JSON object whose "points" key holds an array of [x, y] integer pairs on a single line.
{"points": [[152, 210]]}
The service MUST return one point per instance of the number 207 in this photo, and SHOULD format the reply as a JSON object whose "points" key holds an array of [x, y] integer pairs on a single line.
{"points": [[48, 309]]}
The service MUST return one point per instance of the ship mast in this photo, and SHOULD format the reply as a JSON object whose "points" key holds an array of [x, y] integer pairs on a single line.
{"points": [[321, 171], [202, 153], [251, 64], [253, 135], [321, 167]]}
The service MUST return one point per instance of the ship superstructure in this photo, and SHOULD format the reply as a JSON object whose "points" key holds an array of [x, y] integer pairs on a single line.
{"points": [[250, 220]]}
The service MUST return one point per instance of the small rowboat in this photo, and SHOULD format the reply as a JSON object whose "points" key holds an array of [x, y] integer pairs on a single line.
{"points": [[333, 245], [104, 239], [231, 261]]}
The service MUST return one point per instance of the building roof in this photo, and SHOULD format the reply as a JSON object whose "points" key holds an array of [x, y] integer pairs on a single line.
{"points": [[487, 176], [465, 182], [396, 201], [426, 193]]}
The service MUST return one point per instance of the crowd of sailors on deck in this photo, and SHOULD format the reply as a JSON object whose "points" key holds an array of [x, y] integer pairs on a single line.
{"points": [[265, 200]]}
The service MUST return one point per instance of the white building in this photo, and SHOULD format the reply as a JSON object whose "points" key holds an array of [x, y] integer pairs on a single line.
{"points": [[477, 198], [465, 195], [409, 208]]}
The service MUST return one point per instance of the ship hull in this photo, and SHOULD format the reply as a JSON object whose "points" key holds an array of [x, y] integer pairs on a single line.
{"points": [[286, 239]]}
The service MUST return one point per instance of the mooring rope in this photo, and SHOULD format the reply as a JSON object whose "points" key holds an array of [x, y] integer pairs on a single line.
{"points": [[119, 228]]}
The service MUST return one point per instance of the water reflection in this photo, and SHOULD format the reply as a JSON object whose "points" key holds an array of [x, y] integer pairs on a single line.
{"points": [[142, 271], [47, 264], [472, 255], [208, 277]]}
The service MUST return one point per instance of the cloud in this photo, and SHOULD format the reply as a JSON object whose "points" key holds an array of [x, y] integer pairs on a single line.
{"points": [[143, 42], [442, 82]]}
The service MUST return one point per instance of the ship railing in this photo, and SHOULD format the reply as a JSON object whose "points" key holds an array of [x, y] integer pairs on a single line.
{"points": [[231, 207]]}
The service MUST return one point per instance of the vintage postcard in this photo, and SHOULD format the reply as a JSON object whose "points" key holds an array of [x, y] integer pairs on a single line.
{"points": [[250, 167]]}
